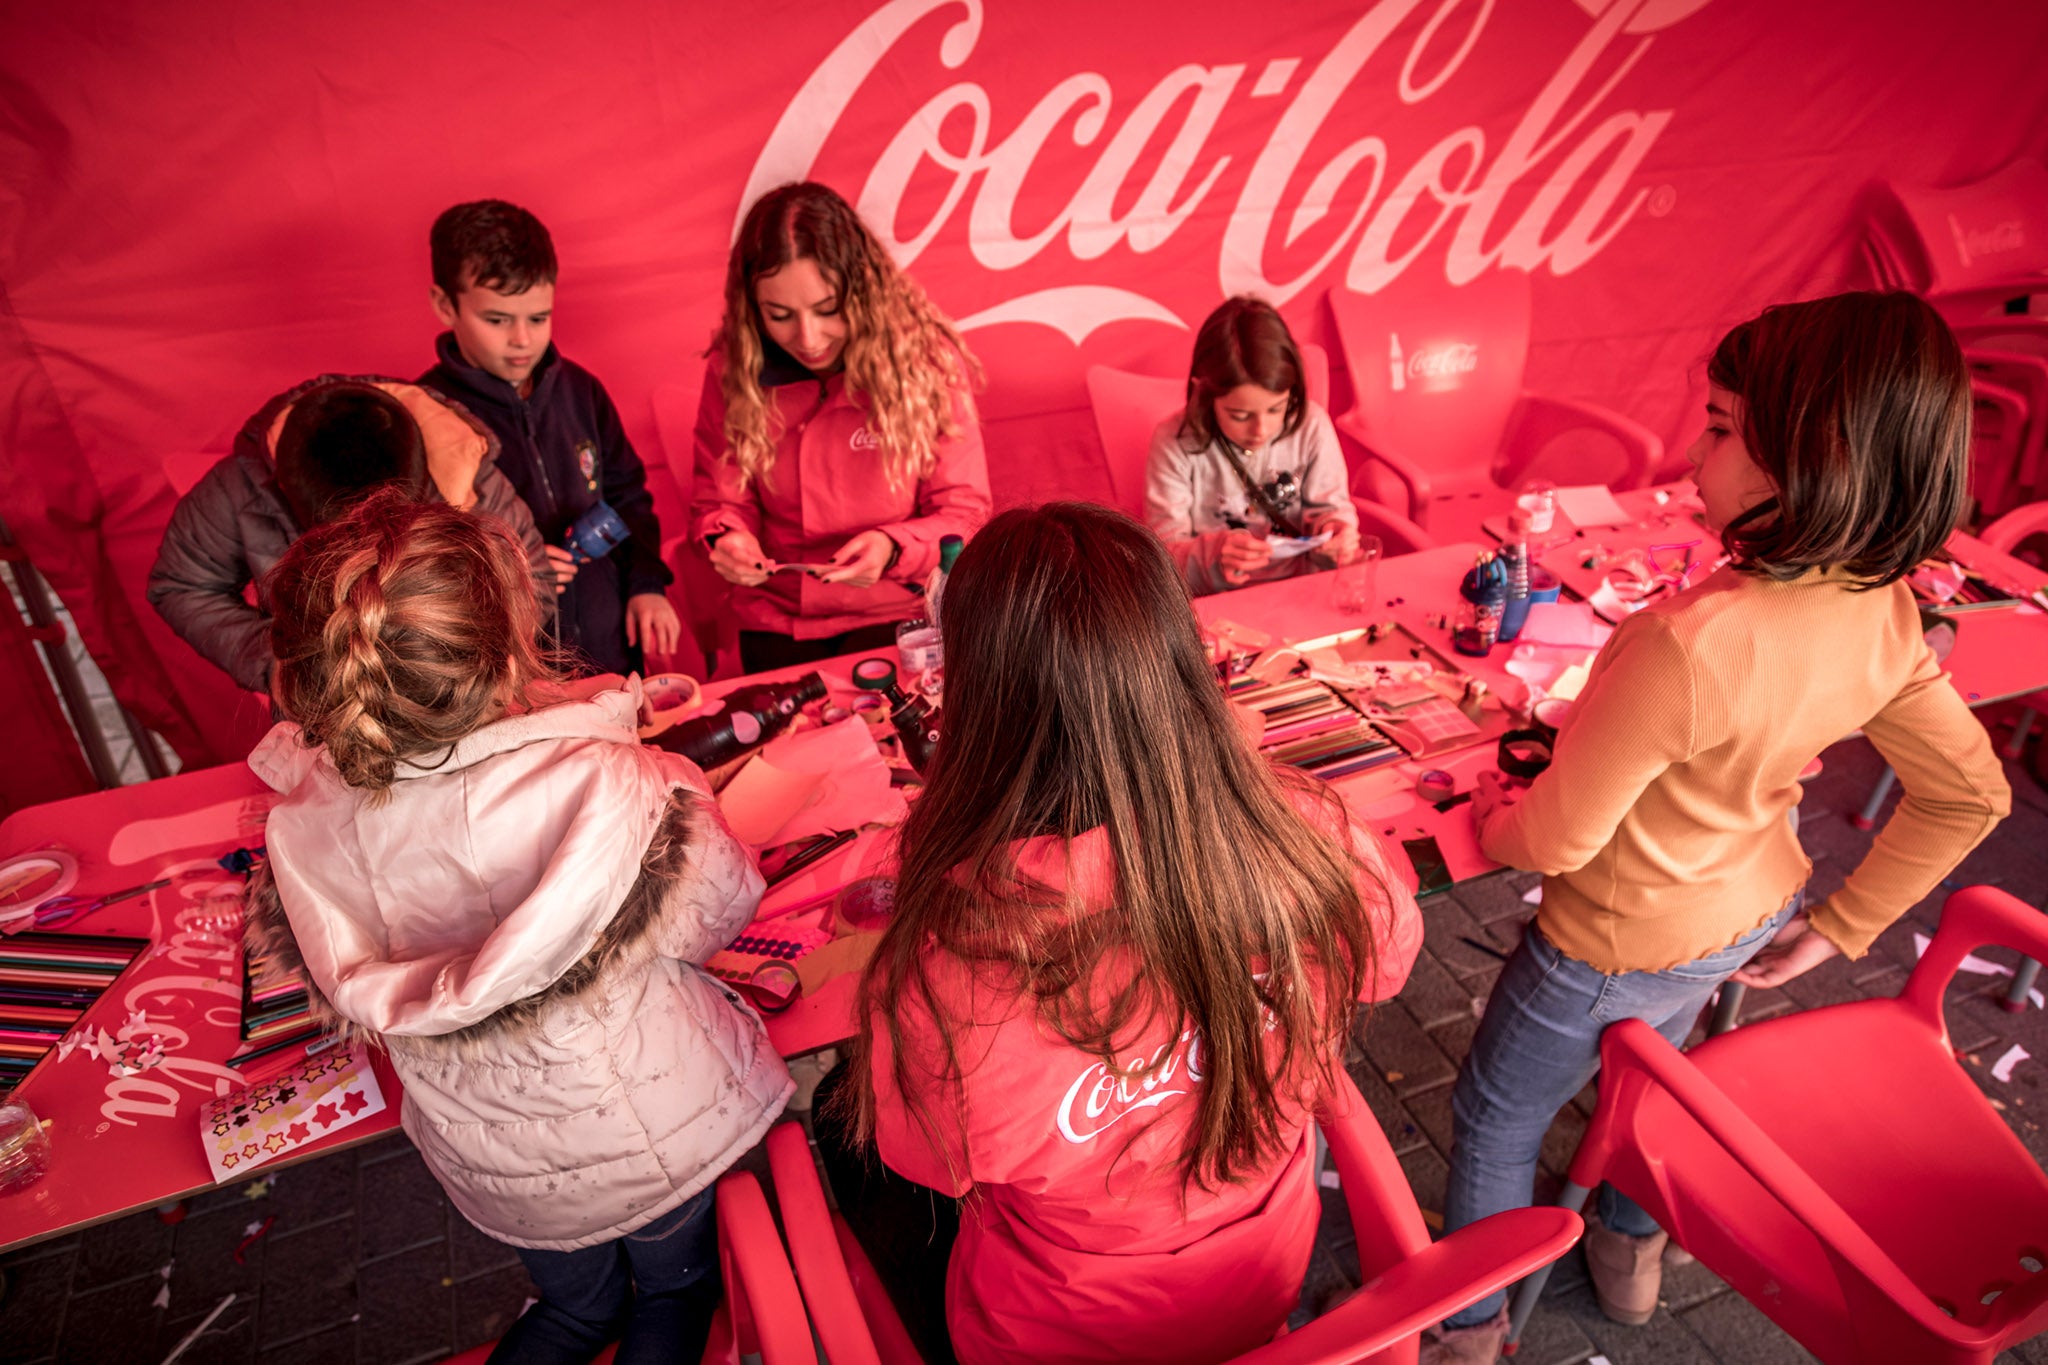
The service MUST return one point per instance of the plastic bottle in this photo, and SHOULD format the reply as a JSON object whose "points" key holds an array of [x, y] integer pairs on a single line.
{"points": [[752, 716], [935, 585], [1515, 609], [912, 717], [1483, 593]]}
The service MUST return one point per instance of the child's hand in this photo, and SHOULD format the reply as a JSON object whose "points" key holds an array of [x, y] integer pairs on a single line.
{"points": [[1342, 546], [1243, 554], [737, 557], [652, 623], [1793, 951], [860, 561], [1489, 796], [564, 564]]}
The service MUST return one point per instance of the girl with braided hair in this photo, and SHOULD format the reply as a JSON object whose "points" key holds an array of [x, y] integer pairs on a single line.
{"points": [[836, 441], [483, 871]]}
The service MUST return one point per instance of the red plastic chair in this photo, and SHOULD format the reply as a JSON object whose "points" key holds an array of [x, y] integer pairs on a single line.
{"points": [[1839, 1167], [1129, 407], [1982, 238], [762, 1317], [1436, 375], [1409, 1282]]}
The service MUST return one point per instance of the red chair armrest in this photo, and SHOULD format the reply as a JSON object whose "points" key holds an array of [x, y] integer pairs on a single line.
{"points": [[1971, 918], [1412, 475], [828, 1291], [758, 1273], [1427, 1287], [1398, 535], [2015, 526], [1539, 419]]}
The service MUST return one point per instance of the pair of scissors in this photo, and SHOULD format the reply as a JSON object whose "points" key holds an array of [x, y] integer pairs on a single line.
{"points": [[64, 909]]}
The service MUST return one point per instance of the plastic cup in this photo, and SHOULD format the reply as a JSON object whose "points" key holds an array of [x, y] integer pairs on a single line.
{"points": [[1356, 587], [24, 1147], [920, 656]]}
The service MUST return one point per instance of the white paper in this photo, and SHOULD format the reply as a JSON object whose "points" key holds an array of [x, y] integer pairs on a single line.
{"points": [[2014, 1055], [1970, 963], [1564, 624], [853, 787], [1534, 895], [762, 798], [1289, 547], [1592, 504]]}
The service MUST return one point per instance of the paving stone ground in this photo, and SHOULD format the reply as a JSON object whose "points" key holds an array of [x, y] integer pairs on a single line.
{"points": [[364, 1261]]}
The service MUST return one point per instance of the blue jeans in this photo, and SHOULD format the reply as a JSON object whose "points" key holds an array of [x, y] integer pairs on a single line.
{"points": [[659, 1286], [1537, 1046]]}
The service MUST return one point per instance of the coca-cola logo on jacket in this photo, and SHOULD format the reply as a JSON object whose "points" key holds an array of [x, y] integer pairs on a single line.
{"points": [[1446, 204]]}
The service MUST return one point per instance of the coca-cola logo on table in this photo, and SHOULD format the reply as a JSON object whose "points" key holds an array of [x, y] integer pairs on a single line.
{"points": [[1446, 201]]}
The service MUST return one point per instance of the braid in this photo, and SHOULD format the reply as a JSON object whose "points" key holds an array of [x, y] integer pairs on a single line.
{"points": [[398, 630]]}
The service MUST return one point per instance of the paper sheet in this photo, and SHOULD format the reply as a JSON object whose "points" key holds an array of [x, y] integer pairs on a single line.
{"points": [[2014, 1055], [836, 770], [1592, 504], [322, 1094], [1290, 547], [762, 798]]}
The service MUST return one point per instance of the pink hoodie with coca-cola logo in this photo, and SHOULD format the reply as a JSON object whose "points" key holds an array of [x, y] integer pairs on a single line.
{"points": [[1077, 1245]]}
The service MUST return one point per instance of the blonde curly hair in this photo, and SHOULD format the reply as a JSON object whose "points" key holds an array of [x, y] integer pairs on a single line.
{"points": [[904, 360], [399, 629]]}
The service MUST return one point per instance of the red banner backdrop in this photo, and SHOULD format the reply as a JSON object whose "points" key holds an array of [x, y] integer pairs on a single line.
{"points": [[202, 206]]}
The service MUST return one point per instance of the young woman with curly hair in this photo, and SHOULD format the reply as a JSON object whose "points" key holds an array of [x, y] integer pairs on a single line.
{"points": [[483, 870], [837, 439]]}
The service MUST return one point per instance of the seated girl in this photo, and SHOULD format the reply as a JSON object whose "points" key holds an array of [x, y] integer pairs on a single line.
{"points": [[1124, 963], [510, 895], [836, 441], [1248, 458], [1835, 458]]}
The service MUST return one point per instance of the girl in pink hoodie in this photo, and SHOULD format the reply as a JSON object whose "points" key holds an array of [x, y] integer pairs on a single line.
{"points": [[1124, 962], [836, 442], [500, 886]]}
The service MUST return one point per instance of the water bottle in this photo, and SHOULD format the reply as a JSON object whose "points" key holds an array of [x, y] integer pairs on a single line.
{"points": [[752, 716], [935, 585], [1515, 609]]}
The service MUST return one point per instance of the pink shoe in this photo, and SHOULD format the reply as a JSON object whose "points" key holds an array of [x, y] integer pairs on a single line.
{"points": [[1627, 1271], [1477, 1345]]}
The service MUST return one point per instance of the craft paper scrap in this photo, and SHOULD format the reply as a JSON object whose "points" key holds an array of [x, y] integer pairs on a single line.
{"points": [[762, 798], [1970, 963], [2013, 1056], [322, 1094], [1289, 547], [1592, 504], [853, 779]]}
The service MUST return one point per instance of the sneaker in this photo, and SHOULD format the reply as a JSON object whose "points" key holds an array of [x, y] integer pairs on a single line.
{"points": [[1627, 1271], [1477, 1345]]}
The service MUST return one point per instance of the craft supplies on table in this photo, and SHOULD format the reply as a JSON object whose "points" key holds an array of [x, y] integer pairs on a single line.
{"points": [[322, 1094], [29, 879], [1308, 725], [47, 983]]}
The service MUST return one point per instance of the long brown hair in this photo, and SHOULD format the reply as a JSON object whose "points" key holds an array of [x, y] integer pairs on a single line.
{"points": [[1079, 697], [399, 629], [904, 361], [1858, 409], [1244, 341]]}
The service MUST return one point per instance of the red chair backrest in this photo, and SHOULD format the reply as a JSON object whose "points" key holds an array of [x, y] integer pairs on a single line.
{"points": [[1992, 233], [1437, 370]]}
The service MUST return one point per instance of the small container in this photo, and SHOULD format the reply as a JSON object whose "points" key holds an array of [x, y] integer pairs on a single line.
{"points": [[596, 534], [1539, 499], [863, 906], [24, 1147], [921, 657], [1482, 596]]}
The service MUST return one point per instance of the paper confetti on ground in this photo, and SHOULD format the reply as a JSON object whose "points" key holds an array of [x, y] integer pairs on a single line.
{"points": [[1970, 963], [1534, 895], [2014, 1055]]}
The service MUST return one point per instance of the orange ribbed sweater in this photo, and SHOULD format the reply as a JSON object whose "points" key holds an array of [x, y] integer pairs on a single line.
{"points": [[1660, 826]]}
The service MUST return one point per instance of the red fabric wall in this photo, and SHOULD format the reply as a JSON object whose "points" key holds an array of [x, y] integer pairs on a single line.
{"points": [[202, 205]]}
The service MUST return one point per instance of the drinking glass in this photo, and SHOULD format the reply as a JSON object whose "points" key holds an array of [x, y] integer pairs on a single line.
{"points": [[1357, 584]]}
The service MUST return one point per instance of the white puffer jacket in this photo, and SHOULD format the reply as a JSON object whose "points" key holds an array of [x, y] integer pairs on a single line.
{"points": [[520, 925]]}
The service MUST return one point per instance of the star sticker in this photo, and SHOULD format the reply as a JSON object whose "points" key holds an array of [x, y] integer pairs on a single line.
{"points": [[264, 1104], [229, 1160], [298, 1132], [355, 1103], [220, 1130], [326, 1114], [287, 1094], [249, 1149], [274, 1143]]}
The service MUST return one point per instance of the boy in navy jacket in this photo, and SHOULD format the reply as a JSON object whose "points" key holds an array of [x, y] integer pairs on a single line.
{"points": [[563, 446]]}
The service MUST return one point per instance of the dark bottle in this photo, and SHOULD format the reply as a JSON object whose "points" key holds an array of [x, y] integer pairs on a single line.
{"points": [[915, 722], [753, 715]]}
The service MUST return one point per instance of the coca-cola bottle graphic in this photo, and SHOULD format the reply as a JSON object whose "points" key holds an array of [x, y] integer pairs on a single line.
{"points": [[752, 716], [1397, 371]]}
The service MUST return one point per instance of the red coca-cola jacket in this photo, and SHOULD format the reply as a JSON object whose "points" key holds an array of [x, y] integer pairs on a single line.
{"points": [[1077, 1245], [828, 485]]}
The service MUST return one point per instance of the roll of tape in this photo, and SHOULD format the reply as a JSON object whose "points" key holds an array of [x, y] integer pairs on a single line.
{"points": [[1436, 785], [29, 879]]}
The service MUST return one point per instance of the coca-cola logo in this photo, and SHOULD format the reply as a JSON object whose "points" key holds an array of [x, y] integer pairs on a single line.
{"points": [[1101, 1097], [2010, 235], [1453, 193], [1438, 362], [866, 439]]}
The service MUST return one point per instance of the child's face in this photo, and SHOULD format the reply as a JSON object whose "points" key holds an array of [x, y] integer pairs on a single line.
{"points": [[1730, 482], [801, 312], [1249, 416], [500, 334]]}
